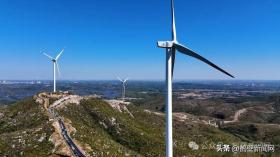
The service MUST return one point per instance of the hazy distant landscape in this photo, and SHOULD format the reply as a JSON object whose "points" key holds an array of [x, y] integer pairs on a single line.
{"points": [[11, 91], [206, 112]]}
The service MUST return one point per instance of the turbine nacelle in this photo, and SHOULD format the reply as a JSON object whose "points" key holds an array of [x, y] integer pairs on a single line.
{"points": [[55, 67], [165, 44], [123, 81], [171, 47]]}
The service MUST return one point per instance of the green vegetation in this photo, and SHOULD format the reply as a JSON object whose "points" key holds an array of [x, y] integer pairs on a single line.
{"points": [[108, 131], [102, 130], [256, 133], [25, 130]]}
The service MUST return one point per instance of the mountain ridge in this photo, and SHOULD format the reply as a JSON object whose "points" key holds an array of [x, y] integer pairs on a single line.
{"points": [[104, 128]]}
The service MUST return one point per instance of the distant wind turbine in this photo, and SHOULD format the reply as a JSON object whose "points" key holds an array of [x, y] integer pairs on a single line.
{"points": [[123, 84], [55, 67], [171, 47]]}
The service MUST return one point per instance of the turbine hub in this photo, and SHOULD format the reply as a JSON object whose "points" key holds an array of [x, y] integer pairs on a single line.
{"points": [[165, 44]]}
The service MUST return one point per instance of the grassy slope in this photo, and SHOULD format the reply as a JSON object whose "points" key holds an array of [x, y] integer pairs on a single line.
{"points": [[22, 126], [111, 133], [142, 135], [256, 133]]}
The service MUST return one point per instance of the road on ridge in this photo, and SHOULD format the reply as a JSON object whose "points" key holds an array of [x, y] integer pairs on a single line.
{"points": [[75, 150]]}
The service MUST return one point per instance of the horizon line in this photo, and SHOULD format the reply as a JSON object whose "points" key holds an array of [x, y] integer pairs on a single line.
{"points": [[175, 80]]}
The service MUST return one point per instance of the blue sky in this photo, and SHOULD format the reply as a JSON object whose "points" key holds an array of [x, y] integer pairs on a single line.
{"points": [[109, 37]]}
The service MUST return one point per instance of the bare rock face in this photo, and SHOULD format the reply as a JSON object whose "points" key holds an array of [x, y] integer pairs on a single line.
{"points": [[39, 100], [61, 147], [120, 106], [113, 122], [104, 125], [69, 127], [42, 138], [71, 99], [94, 96], [180, 116], [1, 115]]}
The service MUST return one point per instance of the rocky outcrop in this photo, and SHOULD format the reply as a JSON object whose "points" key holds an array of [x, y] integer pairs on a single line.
{"points": [[119, 106]]}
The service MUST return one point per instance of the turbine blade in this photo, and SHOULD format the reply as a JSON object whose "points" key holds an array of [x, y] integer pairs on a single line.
{"points": [[174, 34], [48, 56], [126, 79], [59, 54], [191, 53], [119, 78], [57, 67], [173, 59]]}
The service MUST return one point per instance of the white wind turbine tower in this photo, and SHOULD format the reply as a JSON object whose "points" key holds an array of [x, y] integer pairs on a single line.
{"points": [[123, 85], [171, 47], [55, 67]]}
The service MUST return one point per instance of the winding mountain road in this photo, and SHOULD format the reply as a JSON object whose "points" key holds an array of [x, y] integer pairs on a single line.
{"points": [[72, 146], [237, 115]]}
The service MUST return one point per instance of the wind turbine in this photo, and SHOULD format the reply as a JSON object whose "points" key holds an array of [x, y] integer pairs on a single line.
{"points": [[55, 67], [123, 84], [171, 47]]}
